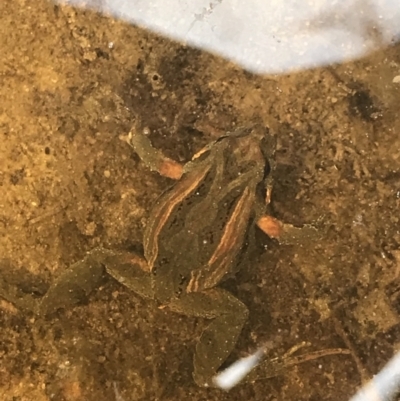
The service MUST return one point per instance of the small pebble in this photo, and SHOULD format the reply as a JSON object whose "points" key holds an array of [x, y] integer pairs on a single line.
{"points": [[396, 79], [107, 174], [90, 228]]}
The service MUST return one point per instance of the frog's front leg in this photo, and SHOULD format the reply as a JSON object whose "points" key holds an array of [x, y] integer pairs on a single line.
{"points": [[219, 338], [287, 233], [154, 159]]}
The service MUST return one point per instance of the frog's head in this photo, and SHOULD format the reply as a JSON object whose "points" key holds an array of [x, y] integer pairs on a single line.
{"points": [[247, 150], [251, 148]]}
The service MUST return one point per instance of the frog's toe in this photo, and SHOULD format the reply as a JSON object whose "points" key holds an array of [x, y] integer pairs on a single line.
{"points": [[203, 379]]}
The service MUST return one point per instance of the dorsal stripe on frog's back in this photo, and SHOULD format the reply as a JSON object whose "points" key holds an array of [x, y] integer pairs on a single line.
{"points": [[238, 220], [219, 263], [216, 194], [204, 212], [203, 150], [164, 208]]}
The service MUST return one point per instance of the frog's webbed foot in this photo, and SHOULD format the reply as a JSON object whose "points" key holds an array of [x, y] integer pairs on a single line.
{"points": [[70, 288], [287, 233], [20, 287], [75, 284], [153, 158], [219, 338]]}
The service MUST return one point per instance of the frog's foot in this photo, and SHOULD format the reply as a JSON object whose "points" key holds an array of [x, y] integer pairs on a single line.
{"points": [[71, 287], [154, 159], [287, 233], [219, 338], [20, 287], [77, 282]]}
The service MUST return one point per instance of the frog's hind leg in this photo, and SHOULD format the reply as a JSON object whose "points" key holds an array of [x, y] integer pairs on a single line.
{"points": [[219, 338], [132, 271], [153, 158]]}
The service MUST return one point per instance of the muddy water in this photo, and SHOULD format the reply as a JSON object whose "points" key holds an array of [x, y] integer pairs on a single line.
{"points": [[69, 183]]}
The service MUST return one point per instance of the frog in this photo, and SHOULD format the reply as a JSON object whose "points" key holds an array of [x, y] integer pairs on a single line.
{"points": [[195, 235]]}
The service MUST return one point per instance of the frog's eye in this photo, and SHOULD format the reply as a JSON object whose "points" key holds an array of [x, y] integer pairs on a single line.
{"points": [[221, 138], [267, 169], [268, 147]]}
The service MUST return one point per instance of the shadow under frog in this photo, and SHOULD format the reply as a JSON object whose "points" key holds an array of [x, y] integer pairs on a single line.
{"points": [[192, 240]]}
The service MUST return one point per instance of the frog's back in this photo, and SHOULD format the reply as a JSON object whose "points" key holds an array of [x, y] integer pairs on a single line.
{"points": [[198, 212]]}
